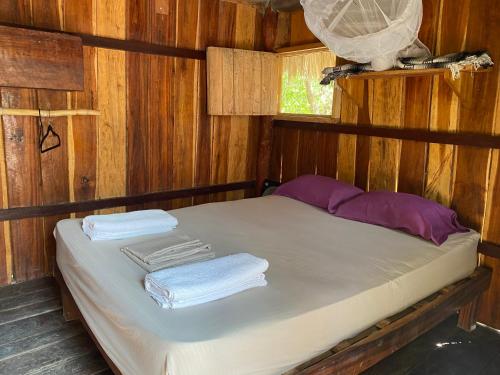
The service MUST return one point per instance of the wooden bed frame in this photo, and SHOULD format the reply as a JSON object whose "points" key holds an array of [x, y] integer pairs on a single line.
{"points": [[354, 355]]}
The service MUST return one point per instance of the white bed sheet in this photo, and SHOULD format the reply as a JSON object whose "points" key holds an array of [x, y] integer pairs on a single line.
{"points": [[329, 278]]}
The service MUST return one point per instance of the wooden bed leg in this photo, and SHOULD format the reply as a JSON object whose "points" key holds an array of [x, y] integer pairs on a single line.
{"points": [[70, 310], [467, 315]]}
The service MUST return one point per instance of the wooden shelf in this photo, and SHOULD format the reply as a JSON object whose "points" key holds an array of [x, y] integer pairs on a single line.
{"points": [[413, 73]]}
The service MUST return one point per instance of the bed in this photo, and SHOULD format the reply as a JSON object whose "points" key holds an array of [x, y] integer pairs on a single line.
{"points": [[329, 279]]}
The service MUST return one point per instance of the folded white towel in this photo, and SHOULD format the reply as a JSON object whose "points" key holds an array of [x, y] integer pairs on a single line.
{"points": [[197, 283], [128, 224]]}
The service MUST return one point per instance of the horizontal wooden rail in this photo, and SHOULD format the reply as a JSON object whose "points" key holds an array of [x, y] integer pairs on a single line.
{"points": [[17, 213], [47, 113], [124, 45], [489, 249], [459, 139]]}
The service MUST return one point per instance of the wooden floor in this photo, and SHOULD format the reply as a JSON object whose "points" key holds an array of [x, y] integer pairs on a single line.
{"points": [[35, 339]]}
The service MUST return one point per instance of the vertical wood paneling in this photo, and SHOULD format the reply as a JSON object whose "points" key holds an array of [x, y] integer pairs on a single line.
{"points": [[384, 153], [54, 164], [207, 36], [441, 158], [222, 124], [418, 90], [22, 160], [5, 244], [138, 75], [186, 101], [111, 93], [153, 132], [111, 138], [24, 184], [469, 195], [82, 131], [351, 99]]}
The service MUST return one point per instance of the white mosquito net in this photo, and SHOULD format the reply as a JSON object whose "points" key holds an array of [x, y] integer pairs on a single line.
{"points": [[367, 31]]}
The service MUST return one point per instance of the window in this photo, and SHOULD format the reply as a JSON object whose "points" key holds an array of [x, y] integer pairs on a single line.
{"points": [[301, 92]]}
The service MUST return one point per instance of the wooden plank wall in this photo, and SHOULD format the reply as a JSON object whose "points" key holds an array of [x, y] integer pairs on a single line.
{"points": [[465, 178], [153, 133]]}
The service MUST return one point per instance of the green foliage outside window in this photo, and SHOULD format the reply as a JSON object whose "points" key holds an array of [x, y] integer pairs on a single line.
{"points": [[303, 95]]}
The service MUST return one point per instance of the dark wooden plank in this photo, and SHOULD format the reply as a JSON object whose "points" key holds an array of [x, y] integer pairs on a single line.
{"points": [[124, 45], [27, 287], [363, 143], [411, 176], [327, 149], [49, 358], [40, 59], [89, 364], [138, 69], [464, 138], [380, 344], [490, 249], [33, 326], [226, 35], [24, 312], [307, 152], [28, 298], [53, 164], [31, 343], [22, 159], [478, 115], [289, 153], [64, 208], [412, 164], [138, 82], [207, 36]]}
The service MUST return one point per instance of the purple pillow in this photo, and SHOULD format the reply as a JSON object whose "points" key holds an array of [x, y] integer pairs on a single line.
{"points": [[407, 212], [319, 191]]}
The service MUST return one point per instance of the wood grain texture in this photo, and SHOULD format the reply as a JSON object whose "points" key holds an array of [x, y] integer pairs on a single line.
{"points": [[153, 134], [111, 124], [40, 60], [384, 153]]}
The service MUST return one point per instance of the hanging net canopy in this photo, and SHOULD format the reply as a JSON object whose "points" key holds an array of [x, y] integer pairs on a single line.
{"points": [[368, 31]]}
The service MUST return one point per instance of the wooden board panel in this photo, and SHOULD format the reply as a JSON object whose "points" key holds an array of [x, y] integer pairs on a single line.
{"points": [[469, 195], [207, 36], [40, 60], [384, 153], [242, 82], [5, 244], [185, 101], [346, 159], [82, 131], [111, 91], [269, 87], [22, 159], [111, 138]]}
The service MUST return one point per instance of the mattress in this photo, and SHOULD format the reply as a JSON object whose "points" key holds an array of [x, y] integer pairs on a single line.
{"points": [[329, 279]]}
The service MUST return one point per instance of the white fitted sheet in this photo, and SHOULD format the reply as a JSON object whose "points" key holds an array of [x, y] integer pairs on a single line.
{"points": [[329, 278]]}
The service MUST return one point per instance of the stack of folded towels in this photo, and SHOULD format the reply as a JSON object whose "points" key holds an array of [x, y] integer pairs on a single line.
{"points": [[172, 249], [129, 224], [196, 283]]}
